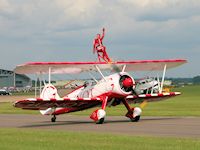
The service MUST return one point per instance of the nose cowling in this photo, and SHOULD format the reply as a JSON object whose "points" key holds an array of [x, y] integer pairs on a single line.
{"points": [[127, 82]]}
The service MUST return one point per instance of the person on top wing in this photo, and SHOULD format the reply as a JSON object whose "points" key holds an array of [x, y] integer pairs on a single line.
{"points": [[99, 48]]}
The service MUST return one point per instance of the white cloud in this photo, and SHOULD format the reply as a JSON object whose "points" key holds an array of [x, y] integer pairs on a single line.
{"points": [[130, 24], [160, 10], [4, 5]]}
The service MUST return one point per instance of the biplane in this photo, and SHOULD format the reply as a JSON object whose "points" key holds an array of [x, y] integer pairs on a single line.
{"points": [[118, 88]]}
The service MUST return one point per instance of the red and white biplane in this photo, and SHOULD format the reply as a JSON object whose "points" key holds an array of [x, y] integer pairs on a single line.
{"points": [[112, 90]]}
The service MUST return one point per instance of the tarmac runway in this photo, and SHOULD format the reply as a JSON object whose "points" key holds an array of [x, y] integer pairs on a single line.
{"points": [[150, 126]]}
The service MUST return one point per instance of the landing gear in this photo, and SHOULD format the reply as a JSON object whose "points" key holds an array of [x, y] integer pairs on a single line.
{"points": [[133, 113], [136, 119], [53, 119], [99, 115], [100, 121]]}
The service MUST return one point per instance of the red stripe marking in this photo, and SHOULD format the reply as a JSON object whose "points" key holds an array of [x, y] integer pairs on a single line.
{"points": [[172, 93], [148, 95], [39, 99], [117, 62], [53, 99]]}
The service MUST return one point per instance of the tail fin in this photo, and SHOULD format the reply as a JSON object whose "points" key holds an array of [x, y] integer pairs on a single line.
{"points": [[49, 92]]}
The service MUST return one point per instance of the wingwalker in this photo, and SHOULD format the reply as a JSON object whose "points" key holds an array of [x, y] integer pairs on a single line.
{"points": [[112, 90]]}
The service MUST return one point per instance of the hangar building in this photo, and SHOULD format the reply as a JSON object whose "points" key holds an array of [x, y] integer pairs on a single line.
{"points": [[10, 79]]}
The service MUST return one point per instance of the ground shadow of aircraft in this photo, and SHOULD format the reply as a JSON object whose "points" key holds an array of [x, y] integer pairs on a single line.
{"points": [[78, 122]]}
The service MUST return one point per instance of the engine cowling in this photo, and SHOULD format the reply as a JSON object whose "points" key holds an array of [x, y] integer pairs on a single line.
{"points": [[118, 85], [125, 86], [124, 83]]}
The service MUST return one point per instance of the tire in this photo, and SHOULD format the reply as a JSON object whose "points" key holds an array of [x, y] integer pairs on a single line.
{"points": [[136, 119], [100, 121], [53, 119]]}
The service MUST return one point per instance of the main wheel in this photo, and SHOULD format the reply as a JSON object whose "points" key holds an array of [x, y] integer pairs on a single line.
{"points": [[136, 119], [53, 119], [100, 121]]}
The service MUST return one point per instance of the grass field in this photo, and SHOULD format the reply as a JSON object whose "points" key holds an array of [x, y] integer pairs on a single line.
{"points": [[24, 139], [187, 104]]}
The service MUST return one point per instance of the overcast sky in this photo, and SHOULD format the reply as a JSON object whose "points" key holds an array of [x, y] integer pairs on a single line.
{"points": [[63, 30]]}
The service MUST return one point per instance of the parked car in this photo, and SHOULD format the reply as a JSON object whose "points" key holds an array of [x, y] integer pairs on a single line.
{"points": [[4, 92]]}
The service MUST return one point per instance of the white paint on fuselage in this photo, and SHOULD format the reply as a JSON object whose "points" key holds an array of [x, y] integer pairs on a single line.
{"points": [[109, 84]]}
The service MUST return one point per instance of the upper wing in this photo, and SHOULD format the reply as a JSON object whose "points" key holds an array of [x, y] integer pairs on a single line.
{"points": [[150, 97], [78, 67], [41, 104]]}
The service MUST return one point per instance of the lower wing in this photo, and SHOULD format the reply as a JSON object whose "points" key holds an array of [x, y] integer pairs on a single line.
{"points": [[84, 103], [42, 104], [150, 97]]}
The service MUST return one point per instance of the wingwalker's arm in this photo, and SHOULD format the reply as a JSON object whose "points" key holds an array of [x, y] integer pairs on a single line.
{"points": [[103, 33], [94, 46]]}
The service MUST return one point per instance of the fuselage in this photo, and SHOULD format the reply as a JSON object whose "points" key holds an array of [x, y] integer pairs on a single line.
{"points": [[113, 86], [110, 86]]}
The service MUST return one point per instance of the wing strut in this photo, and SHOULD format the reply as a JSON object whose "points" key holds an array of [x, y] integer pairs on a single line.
{"points": [[158, 80], [40, 78], [163, 78], [124, 67], [93, 77], [100, 72], [36, 87], [49, 75]]}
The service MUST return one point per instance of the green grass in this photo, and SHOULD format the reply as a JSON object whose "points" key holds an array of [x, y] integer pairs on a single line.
{"points": [[23, 139], [7, 108], [187, 104], [23, 93]]}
